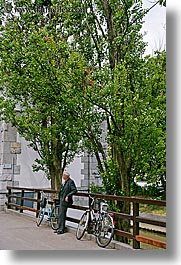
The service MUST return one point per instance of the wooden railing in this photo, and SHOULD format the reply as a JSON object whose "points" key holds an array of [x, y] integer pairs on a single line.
{"points": [[134, 217]]}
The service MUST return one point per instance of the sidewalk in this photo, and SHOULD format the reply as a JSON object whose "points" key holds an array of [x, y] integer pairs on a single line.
{"points": [[19, 232]]}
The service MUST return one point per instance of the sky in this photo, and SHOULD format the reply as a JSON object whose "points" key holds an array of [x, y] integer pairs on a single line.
{"points": [[154, 27]]}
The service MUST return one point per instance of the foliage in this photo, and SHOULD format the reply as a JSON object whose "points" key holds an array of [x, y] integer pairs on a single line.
{"points": [[148, 191], [162, 2], [39, 76], [96, 189], [150, 162], [82, 64]]}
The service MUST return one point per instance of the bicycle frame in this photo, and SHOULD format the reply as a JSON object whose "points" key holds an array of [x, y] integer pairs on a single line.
{"points": [[45, 205], [100, 222], [47, 209]]}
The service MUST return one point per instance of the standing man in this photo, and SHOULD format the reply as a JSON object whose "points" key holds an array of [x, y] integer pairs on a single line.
{"points": [[66, 192]]}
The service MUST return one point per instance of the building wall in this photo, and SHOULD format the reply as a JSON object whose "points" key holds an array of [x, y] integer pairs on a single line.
{"points": [[28, 178], [16, 164], [8, 159], [16, 160]]}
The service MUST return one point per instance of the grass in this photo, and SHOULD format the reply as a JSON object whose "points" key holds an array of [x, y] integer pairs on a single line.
{"points": [[151, 208], [154, 209]]}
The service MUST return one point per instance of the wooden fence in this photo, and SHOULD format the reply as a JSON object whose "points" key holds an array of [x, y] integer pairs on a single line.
{"points": [[134, 217]]}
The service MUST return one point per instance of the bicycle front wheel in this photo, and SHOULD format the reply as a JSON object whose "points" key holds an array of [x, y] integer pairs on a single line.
{"points": [[40, 217], [54, 218], [82, 226], [106, 231]]}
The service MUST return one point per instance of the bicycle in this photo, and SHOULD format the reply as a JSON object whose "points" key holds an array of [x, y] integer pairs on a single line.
{"points": [[101, 221], [49, 209]]}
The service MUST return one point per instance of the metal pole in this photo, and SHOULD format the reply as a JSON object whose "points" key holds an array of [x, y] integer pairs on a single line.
{"points": [[88, 169], [13, 170]]}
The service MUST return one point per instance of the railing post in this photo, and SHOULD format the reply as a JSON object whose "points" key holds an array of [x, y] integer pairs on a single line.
{"points": [[136, 244], [38, 202], [9, 198], [22, 201], [89, 222]]}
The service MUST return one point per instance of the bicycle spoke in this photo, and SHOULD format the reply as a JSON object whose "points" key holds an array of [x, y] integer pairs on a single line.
{"points": [[54, 218], [106, 231], [40, 217], [82, 226]]}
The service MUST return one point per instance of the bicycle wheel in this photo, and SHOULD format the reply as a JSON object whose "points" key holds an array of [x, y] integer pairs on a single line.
{"points": [[106, 231], [82, 226], [54, 217], [40, 217]]}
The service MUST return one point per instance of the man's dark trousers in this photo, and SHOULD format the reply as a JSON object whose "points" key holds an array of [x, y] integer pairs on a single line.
{"points": [[67, 190], [62, 215]]}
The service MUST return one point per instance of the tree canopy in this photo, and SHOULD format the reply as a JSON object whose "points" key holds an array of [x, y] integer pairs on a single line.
{"points": [[72, 65]]}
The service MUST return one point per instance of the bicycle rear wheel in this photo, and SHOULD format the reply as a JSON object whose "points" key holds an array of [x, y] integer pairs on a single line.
{"points": [[54, 218], [40, 217], [106, 231], [82, 226]]}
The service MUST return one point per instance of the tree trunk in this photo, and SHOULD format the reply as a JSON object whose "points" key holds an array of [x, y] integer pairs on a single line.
{"points": [[56, 165], [111, 34], [123, 182], [56, 175]]}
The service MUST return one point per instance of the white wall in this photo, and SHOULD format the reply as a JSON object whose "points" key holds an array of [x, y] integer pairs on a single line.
{"points": [[28, 178], [75, 170]]}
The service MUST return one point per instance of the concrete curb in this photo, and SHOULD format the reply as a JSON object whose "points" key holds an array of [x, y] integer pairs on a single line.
{"points": [[114, 244]]}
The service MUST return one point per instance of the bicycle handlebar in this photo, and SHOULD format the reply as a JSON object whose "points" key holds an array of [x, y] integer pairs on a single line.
{"points": [[93, 200]]}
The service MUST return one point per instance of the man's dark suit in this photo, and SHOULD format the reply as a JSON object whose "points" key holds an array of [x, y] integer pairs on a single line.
{"points": [[67, 190]]}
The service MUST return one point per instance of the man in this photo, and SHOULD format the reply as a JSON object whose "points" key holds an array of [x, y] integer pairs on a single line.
{"points": [[65, 195]]}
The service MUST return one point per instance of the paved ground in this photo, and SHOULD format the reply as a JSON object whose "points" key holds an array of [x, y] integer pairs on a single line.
{"points": [[19, 232]]}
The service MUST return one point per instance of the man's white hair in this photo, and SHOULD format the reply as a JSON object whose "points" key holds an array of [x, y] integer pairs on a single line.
{"points": [[66, 173]]}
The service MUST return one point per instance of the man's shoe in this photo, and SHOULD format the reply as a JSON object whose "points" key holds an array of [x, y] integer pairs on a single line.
{"points": [[60, 232], [55, 231]]}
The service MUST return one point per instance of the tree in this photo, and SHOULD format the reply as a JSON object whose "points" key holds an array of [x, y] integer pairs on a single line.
{"points": [[151, 152], [39, 74], [107, 35], [110, 84], [120, 85]]}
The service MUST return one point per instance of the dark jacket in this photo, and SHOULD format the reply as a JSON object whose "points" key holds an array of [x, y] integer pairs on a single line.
{"points": [[67, 190]]}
